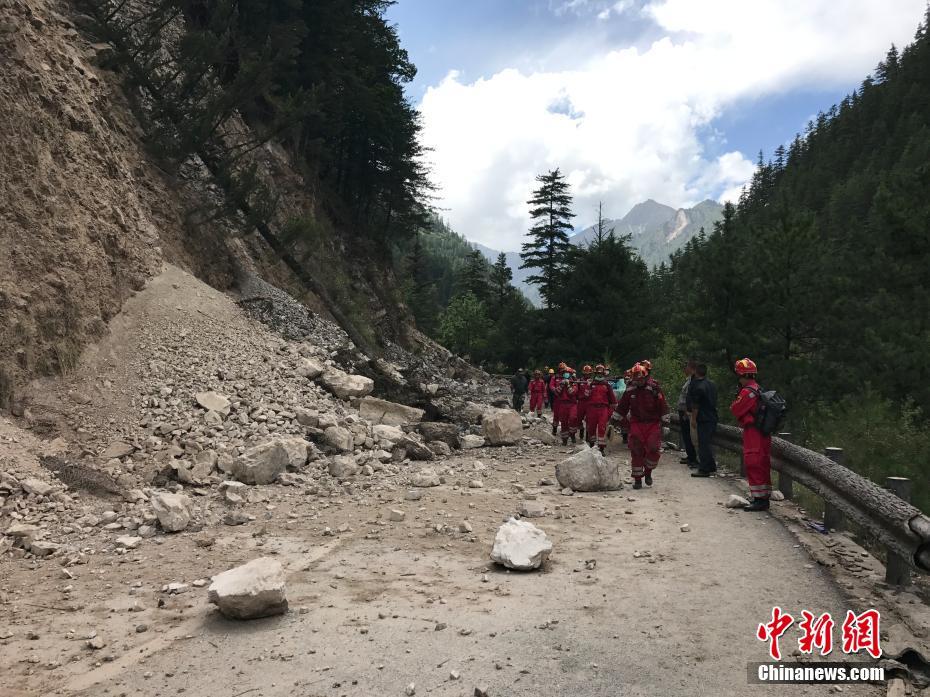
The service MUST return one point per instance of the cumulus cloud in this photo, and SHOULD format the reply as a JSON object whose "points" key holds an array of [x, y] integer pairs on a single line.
{"points": [[627, 124]]}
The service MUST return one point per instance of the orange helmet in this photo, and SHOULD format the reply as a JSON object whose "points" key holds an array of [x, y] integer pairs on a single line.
{"points": [[745, 366], [600, 368], [551, 371], [638, 371], [586, 370]]}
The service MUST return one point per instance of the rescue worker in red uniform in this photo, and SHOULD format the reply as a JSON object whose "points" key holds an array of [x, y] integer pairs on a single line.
{"points": [[566, 397], [757, 447], [600, 403], [554, 382], [538, 390], [583, 384], [647, 408]]}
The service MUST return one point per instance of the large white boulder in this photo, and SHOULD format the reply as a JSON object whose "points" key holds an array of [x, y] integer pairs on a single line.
{"points": [[256, 589], [346, 386], [502, 426], [172, 510], [213, 401], [520, 545], [389, 435], [263, 463], [380, 411], [588, 470]]}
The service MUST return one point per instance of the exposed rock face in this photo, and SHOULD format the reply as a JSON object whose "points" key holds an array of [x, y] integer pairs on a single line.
{"points": [[588, 470], [502, 426], [438, 431], [346, 386], [520, 545], [213, 401], [253, 590], [380, 411], [172, 510], [263, 463]]}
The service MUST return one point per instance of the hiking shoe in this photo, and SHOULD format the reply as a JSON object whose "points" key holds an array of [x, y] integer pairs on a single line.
{"points": [[649, 479], [637, 483], [573, 439], [555, 429], [684, 461], [565, 441], [701, 473], [757, 505]]}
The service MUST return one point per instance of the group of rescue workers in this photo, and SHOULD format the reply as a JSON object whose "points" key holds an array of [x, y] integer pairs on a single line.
{"points": [[590, 405]]}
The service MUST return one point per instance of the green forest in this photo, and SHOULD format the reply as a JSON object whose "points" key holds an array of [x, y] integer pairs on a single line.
{"points": [[820, 272]]}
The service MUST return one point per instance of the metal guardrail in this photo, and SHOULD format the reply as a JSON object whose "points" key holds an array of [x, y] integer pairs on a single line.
{"points": [[901, 528]]}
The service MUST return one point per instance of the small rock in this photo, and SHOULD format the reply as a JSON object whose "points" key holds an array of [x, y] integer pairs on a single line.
{"points": [[128, 542], [172, 511], [685, 528], [397, 516], [481, 691], [410, 690], [520, 545], [735, 501], [213, 401], [425, 478], [253, 590]]}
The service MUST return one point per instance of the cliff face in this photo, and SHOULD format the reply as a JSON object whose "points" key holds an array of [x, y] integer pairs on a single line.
{"points": [[83, 218], [87, 216]]}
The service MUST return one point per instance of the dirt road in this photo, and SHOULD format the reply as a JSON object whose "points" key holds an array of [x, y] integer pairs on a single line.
{"points": [[384, 605]]}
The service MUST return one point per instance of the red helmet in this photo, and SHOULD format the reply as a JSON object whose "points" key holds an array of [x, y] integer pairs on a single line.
{"points": [[745, 366], [638, 371], [562, 367], [647, 364], [600, 368], [571, 370], [586, 370]]}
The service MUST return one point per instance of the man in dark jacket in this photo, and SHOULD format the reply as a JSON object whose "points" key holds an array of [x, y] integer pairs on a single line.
{"points": [[684, 417], [519, 385], [702, 403]]}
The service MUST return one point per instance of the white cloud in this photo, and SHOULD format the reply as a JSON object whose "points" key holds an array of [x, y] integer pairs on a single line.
{"points": [[627, 125]]}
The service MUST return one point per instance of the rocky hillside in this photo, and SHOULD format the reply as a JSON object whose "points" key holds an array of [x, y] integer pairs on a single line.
{"points": [[88, 215]]}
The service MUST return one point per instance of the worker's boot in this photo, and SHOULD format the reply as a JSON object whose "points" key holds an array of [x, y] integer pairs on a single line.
{"points": [[573, 439], [602, 448], [565, 441], [581, 433], [637, 483], [757, 505], [555, 428], [649, 479]]}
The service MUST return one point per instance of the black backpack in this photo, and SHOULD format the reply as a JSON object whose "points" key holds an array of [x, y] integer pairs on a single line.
{"points": [[772, 410]]}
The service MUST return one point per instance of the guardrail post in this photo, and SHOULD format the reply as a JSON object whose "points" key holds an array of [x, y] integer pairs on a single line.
{"points": [[832, 516], [785, 480], [897, 569]]}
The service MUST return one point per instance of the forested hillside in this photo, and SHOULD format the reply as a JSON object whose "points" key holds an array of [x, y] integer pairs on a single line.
{"points": [[821, 273]]}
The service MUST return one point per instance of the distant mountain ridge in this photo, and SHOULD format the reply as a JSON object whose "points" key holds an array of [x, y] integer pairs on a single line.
{"points": [[656, 231]]}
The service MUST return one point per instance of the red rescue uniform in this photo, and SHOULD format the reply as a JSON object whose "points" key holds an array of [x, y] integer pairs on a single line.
{"points": [[566, 400], [646, 406], [538, 390], [584, 384], [757, 448], [601, 402]]}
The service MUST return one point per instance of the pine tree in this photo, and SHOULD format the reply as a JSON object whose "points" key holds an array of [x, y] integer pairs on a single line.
{"points": [[601, 232], [549, 247], [501, 277], [474, 276]]}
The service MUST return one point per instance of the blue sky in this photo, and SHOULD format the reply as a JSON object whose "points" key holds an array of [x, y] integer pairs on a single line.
{"points": [[633, 99]]}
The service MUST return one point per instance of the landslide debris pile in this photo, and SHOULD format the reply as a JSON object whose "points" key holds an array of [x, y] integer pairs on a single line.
{"points": [[189, 412]]}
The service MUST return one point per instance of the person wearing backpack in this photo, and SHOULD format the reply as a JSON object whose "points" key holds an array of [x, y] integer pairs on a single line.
{"points": [[757, 446]]}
